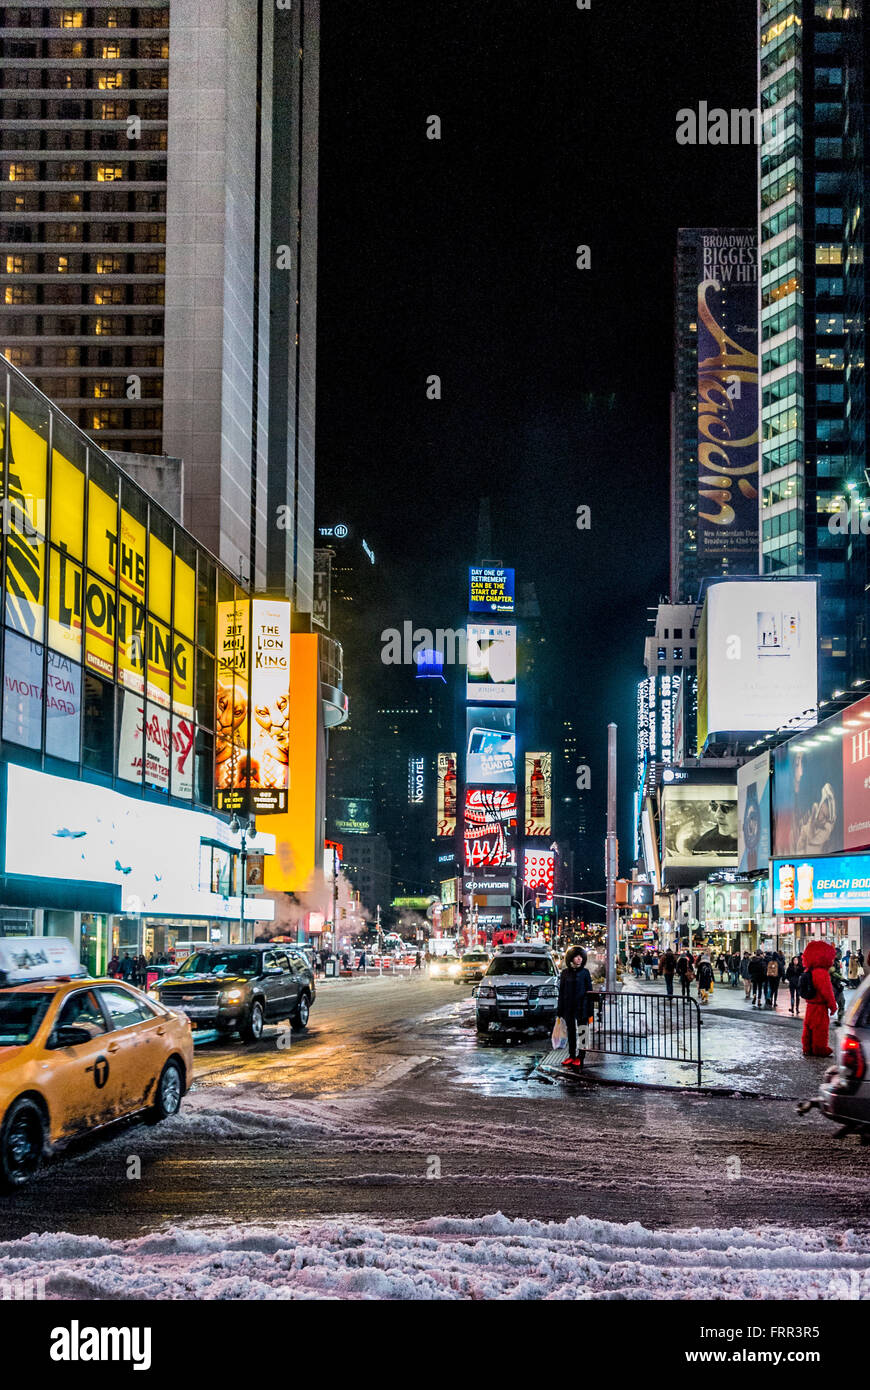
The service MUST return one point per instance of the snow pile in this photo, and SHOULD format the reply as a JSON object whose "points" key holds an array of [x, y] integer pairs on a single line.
{"points": [[491, 1257]]}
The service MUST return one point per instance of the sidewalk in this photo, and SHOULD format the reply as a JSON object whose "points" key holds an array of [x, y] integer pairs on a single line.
{"points": [[745, 1051]]}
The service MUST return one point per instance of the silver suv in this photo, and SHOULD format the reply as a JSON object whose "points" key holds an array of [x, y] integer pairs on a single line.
{"points": [[519, 991], [845, 1092]]}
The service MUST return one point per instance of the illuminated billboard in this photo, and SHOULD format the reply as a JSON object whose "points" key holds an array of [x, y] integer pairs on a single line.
{"points": [[700, 825], [159, 859], [490, 747], [490, 827], [252, 743], [352, 816], [491, 671], [539, 867], [838, 884], [728, 447], [490, 590], [539, 793], [298, 832], [821, 790], [753, 814], [757, 656], [446, 795], [416, 781]]}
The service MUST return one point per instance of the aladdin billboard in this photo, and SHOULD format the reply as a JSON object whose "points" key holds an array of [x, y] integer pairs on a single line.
{"points": [[728, 448], [821, 788]]}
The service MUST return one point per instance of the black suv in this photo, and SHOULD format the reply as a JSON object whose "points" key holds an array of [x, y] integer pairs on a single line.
{"points": [[241, 987]]}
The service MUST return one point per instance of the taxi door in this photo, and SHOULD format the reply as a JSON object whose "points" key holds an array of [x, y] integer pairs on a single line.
{"points": [[142, 1039], [81, 1079]]}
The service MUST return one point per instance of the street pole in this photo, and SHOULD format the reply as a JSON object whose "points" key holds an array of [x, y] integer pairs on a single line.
{"points": [[244, 860], [610, 855], [335, 902]]}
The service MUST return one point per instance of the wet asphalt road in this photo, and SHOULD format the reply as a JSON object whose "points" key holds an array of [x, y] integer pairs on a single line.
{"points": [[390, 1107]]}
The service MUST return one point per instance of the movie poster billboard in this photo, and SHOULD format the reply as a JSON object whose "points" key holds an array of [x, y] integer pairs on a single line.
{"points": [[490, 747], [539, 868], [753, 814], [821, 790], [539, 793], [490, 827], [490, 590], [252, 743], [700, 825], [446, 795], [353, 816], [728, 450], [491, 670]]}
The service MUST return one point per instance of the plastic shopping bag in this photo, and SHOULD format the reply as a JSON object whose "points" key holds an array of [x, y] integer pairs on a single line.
{"points": [[559, 1036]]}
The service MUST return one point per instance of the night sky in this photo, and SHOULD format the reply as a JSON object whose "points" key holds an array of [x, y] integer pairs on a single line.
{"points": [[457, 257]]}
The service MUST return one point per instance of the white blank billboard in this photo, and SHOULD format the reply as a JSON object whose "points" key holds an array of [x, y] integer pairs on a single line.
{"points": [[761, 654]]}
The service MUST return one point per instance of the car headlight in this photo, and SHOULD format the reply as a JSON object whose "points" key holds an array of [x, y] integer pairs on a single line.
{"points": [[454, 969], [232, 996], [154, 994], [486, 992], [547, 992]]}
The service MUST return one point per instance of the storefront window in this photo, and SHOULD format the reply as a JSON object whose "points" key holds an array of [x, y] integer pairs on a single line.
{"points": [[99, 724]]}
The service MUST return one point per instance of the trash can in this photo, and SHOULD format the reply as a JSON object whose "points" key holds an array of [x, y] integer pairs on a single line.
{"points": [[330, 969]]}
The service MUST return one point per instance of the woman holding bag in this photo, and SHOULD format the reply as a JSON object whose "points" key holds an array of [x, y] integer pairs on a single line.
{"points": [[575, 1001]]}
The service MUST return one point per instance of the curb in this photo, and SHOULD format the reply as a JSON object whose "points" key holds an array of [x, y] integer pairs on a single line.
{"points": [[559, 1075]]}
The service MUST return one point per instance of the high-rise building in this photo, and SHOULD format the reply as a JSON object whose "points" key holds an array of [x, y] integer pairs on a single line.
{"points": [[811, 229], [714, 524], [158, 241]]}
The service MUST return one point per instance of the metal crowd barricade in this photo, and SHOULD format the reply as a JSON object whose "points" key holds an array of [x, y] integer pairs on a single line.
{"points": [[657, 1027]]}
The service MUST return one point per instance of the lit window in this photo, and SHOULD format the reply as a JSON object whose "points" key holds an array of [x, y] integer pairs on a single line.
{"points": [[112, 20], [111, 50], [829, 254], [109, 173], [108, 265], [71, 19], [101, 389], [22, 173], [14, 265], [110, 81], [109, 294], [20, 294]]}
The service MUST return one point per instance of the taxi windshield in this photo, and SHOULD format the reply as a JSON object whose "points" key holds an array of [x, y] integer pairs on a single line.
{"points": [[20, 1016], [222, 963]]}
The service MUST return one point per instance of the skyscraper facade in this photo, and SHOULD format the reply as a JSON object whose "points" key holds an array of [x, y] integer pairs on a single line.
{"points": [[158, 228], [811, 228]]}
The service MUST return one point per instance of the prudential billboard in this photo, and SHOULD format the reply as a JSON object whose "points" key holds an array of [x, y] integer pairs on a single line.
{"points": [[757, 656]]}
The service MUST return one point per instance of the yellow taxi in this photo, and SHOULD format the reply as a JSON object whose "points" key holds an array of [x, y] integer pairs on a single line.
{"points": [[78, 1053]]}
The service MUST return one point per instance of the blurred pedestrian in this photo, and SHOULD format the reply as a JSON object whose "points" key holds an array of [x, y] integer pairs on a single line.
{"points": [[756, 970], [705, 978], [771, 979], [793, 972], [668, 966]]}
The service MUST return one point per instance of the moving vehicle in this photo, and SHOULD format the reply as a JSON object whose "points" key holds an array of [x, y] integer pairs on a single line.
{"points": [[473, 965], [844, 1095], [77, 1054], [241, 988], [519, 991], [444, 967]]}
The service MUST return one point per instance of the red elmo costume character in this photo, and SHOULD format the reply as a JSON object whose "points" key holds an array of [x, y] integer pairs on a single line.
{"points": [[818, 958]]}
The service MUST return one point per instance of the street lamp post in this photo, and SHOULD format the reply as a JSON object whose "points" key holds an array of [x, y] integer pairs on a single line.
{"points": [[246, 830]]}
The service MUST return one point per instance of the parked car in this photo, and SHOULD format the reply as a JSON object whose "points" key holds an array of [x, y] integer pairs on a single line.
{"points": [[844, 1095], [519, 991], [77, 1054], [241, 988]]}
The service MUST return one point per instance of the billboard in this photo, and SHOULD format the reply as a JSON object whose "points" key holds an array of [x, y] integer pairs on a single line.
{"points": [[252, 739], [299, 830], [722, 903], [490, 827], [539, 793], [757, 656], [321, 604], [753, 814], [699, 825], [490, 747], [728, 447], [837, 885], [490, 590], [446, 795], [352, 816], [491, 671], [416, 781], [162, 859], [821, 788], [539, 868]]}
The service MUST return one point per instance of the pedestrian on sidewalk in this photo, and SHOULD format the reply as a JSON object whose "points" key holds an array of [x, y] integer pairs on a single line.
{"points": [[723, 965], [743, 970], [855, 971], [654, 963], [361, 963], [647, 964], [686, 972], [734, 969], [816, 988], [418, 961], [705, 979], [575, 1001], [771, 981], [839, 987], [757, 971], [668, 966], [793, 973], [636, 964]]}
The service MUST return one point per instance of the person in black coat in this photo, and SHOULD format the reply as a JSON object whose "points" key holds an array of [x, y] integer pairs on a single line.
{"points": [[575, 1000]]}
